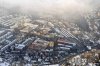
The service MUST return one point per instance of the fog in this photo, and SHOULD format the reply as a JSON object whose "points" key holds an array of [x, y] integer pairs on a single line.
{"points": [[51, 6]]}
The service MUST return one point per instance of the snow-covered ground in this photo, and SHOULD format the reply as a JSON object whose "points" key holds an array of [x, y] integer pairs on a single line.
{"points": [[4, 64]]}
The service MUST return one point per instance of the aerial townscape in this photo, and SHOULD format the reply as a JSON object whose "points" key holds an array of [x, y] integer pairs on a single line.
{"points": [[46, 39]]}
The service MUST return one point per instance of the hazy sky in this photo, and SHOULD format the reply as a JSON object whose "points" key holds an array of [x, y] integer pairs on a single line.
{"points": [[52, 6]]}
